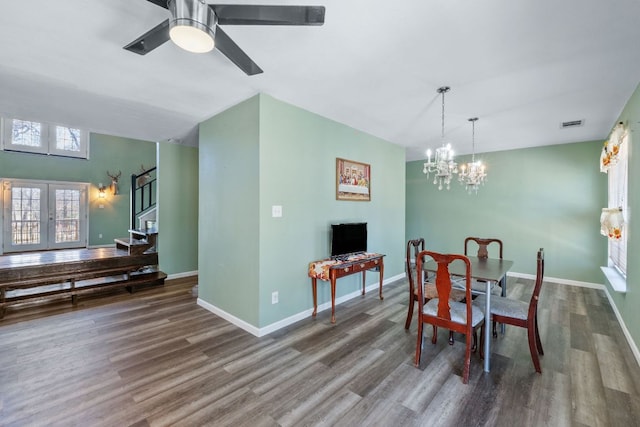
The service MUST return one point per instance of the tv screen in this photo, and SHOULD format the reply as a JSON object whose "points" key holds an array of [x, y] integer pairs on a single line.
{"points": [[348, 238]]}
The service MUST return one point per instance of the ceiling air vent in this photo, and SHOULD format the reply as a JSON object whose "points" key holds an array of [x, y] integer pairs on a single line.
{"points": [[571, 124]]}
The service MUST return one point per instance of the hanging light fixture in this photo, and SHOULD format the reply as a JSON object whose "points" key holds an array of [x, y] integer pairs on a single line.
{"points": [[443, 167], [472, 174]]}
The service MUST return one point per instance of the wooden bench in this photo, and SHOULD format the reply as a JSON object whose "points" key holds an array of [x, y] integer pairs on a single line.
{"points": [[43, 275]]}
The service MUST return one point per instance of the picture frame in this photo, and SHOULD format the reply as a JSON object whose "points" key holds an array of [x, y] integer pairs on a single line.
{"points": [[353, 180]]}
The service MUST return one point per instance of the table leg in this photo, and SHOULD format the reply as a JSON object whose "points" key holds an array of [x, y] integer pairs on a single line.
{"points": [[487, 324], [503, 286], [333, 299], [381, 276], [364, 272], [314, 287]]}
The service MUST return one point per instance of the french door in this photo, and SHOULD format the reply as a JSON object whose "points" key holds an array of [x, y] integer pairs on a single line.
{"points": [[41, 215]]}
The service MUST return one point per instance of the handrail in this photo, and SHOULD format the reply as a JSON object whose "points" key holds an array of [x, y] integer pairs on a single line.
{"points": [[145, 192]]}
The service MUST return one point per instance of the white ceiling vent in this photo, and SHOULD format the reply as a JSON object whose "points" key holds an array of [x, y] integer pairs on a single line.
{"points": [[571, 124]]}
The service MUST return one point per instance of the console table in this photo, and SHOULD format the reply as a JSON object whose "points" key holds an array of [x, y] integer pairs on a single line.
{"points": [[333, 268]]}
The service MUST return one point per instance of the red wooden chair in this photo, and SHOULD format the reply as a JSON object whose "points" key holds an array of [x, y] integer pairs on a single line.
{"points": [[519, 313], [483, 252], [442, 312], [413, 249]]}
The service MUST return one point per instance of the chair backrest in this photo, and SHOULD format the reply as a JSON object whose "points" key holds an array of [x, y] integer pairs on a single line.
{"points": [[443, 282], [413, 249], [482, 246], [533, 305]]}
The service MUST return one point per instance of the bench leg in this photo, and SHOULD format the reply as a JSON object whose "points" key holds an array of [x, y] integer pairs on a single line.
{"points": [[74, 297]]}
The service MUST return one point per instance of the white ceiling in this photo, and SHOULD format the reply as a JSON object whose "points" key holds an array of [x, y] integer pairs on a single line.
{"points": [[522, 67]]}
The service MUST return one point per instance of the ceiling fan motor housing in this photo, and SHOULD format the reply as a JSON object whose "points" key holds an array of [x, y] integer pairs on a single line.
{"points": [[190, 15]]}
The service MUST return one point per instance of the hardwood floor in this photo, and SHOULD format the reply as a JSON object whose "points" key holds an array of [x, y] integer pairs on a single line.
{"points": [[156, 358]]}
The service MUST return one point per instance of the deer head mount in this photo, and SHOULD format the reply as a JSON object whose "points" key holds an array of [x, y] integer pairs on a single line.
{"points": [[114, 181], [143, 178]]}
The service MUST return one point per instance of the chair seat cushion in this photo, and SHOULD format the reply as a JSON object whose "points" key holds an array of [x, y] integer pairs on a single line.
{"points": [[477, 286], [430, 292], [457, 310], [505, 307]]}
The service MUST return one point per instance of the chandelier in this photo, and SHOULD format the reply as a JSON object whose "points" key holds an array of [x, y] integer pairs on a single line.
{"points": [[472, 174], [443, 167]]}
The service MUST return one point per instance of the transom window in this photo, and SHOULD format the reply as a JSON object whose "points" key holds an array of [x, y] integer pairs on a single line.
{"points": [[44, 138]]}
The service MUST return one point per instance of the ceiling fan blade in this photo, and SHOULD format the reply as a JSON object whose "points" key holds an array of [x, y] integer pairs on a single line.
{"points": [[241, 14], [150, 40], [161, 3], [231, 50]]}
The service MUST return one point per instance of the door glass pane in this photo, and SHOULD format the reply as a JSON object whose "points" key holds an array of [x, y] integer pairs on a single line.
{"points": [[25, 216], [27, 133], [67, 220]]}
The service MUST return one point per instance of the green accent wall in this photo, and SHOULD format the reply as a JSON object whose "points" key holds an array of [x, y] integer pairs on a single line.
{"points": [[546, 197], [177, 208], [262, 153], [106, 153], [228, 249], [629, 302]]}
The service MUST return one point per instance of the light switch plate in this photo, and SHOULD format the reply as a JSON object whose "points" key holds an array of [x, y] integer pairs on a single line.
{"points": [[276, 211]]}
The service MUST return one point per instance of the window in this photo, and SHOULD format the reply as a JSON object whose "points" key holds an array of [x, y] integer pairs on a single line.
{"points": [[44, 138], [618, 177]]}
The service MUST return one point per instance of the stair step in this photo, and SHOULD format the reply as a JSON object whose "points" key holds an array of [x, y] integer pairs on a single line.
{"points": [[132, 246]]}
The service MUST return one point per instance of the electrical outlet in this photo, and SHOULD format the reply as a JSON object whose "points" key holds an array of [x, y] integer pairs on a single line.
{"points": [[274, 297], [100, 236]]}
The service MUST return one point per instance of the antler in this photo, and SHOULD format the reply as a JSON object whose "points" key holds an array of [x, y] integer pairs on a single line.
{"points": [[115, 177]]}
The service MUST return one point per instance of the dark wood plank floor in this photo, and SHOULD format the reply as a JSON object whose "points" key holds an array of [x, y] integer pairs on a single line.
{"points": [[156, 358]]}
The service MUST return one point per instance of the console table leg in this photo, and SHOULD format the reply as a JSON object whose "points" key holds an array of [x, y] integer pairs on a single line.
{"points": [[363, 281], [314, 287], [333, 300], [381, 276]]}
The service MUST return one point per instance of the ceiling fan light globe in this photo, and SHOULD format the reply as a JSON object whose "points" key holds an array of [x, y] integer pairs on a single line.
{"points": [[191, 38]]}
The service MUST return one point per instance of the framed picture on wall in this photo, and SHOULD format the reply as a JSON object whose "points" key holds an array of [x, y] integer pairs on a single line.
{"points": [[353, 180]]}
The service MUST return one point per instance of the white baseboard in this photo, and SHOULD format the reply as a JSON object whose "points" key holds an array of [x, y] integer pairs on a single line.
{"points": [[229, 317], [182, 275], [260, 332], [625, 330]]}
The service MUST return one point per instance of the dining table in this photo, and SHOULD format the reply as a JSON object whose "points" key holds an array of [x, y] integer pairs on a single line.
{"points": [[488, 270]]}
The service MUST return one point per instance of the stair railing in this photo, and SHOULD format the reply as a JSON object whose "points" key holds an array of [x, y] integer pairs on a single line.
{"points": [[143, 193]]}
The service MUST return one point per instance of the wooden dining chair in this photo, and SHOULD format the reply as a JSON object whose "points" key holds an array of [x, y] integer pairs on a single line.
{"points": [[483, 252], [440, 311], [414, 247], [519, 313], [479, 286]]}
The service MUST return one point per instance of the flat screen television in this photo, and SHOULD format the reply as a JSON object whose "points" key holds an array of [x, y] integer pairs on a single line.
{"points": [[348, 238]]}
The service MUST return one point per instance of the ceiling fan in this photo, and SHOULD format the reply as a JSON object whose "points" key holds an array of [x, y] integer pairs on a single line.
{"points": [[194, 26]]}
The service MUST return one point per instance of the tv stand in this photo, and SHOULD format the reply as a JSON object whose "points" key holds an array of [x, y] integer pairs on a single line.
{"points": [[333, 268]]}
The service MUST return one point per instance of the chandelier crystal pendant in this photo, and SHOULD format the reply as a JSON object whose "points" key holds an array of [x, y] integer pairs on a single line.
{"points": [[443, 167], [472, 175]]}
